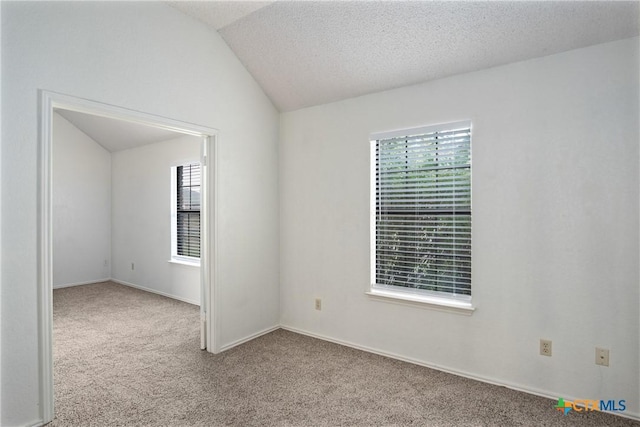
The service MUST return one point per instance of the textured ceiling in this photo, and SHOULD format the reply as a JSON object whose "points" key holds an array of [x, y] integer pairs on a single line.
{"points": [[116, 135], [305, 53]]}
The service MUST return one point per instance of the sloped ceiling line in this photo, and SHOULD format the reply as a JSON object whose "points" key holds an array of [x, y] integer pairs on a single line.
{"points": [[306, 53]]}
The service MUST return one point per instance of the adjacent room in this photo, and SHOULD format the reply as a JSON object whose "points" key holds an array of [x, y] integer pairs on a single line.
{"points": [[413, 213], [116, 213]]}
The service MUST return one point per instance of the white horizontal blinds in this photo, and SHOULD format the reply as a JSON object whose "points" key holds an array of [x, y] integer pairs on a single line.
{"points": [[188, 210], [423, 211]]}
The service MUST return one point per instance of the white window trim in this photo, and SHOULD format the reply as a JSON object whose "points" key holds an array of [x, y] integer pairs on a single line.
{"points": [[461, 304], [449, 304], [417, 130], [185, 260], [175, 258]]}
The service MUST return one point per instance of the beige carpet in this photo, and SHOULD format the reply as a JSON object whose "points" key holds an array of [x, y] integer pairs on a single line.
{"points": [[126, 357]]}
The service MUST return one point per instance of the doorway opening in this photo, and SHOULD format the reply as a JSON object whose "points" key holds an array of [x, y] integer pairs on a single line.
{"points": [[51, 104]]}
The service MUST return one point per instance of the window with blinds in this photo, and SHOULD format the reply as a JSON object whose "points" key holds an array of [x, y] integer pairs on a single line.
{"points": [[188, 210], [421, 209]]}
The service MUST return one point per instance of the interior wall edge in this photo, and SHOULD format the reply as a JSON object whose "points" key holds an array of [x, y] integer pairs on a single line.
{"points": [[248, 338], [36, 423], [494, 381], [153, 291], [90, 282]]}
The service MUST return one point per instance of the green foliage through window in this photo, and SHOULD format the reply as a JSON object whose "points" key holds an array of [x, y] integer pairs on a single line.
{"points": [[423, 211]]}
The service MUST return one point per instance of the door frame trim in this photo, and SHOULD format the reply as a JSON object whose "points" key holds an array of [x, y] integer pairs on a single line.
{"points": [[52, 100]]}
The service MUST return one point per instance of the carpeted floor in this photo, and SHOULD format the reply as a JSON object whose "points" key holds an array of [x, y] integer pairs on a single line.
{"points": [[126, 357]]}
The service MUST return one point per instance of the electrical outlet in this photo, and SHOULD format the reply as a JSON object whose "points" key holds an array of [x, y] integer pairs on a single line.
{"points": [[106, 263], [318, 304], [602, 356], [133, 267], [545, 347]]}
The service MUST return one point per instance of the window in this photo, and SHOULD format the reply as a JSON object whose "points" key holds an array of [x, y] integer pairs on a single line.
{"points": [[185, 242], [421, 213]]}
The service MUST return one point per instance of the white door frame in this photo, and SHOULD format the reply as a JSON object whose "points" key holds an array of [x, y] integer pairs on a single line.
{"points": [[48, 102]]}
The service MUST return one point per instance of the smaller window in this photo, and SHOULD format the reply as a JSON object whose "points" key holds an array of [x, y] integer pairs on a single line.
{"points": [[185, 218]]}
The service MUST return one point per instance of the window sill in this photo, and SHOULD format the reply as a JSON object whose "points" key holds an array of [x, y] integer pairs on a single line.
{"points": [[188, 263], [442, 304]]}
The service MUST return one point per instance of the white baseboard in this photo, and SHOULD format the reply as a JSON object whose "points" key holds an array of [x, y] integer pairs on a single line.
{"points": [[91, 282], [248, 338], [517, 387], [154, 291]]}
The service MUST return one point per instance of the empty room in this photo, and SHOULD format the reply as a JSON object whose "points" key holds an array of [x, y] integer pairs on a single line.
{"points": [[336, 213]]}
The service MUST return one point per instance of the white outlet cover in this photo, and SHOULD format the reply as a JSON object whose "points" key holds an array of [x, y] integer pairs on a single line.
{"points": [[546, 348], [602, 356]]}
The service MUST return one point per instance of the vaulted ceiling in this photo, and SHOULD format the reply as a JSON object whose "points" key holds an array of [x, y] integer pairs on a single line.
{"points": [[114, 134], [306, 53]]}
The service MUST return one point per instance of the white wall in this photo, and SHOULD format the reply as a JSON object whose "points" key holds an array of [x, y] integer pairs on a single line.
{"points": [[81, 205], [148, 57], [555, 223], [141, 218]]}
